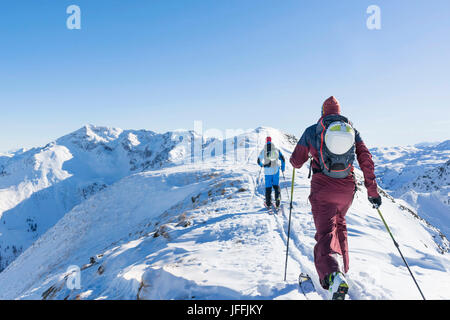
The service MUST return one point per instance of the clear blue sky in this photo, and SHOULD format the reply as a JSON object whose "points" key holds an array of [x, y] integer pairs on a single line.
{"points": [[161, 64]]}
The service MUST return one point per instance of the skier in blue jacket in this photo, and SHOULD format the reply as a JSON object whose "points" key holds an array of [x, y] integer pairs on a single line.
{"points": [[268, 158]]}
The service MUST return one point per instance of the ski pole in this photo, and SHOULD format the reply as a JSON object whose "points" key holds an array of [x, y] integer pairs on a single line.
{"points": [[285, 187], [398, 248], [259, 174], [289, 225]]}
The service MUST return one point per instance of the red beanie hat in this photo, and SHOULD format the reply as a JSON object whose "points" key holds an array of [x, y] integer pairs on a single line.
{"points": [[331, 106], [268, 139]]}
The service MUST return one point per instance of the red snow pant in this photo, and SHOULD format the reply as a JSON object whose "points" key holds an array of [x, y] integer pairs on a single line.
{"points": [[330, 199]]}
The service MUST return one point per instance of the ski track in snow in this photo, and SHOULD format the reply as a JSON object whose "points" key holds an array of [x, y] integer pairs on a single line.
{"points": [[200, 231]]}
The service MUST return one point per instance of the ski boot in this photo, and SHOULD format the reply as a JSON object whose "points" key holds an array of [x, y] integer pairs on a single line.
{"points": [[277, 197], [338, 286], [277, 203]]}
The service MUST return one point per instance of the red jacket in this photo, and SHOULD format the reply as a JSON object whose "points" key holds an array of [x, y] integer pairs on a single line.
{"points": [[306, 147]]}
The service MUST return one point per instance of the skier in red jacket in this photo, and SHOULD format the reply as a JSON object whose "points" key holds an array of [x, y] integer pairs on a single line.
{"points": [[332, 189]]}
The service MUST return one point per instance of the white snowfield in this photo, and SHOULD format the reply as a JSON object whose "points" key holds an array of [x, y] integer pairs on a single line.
{"points": [[198, 230], [419, 175]]}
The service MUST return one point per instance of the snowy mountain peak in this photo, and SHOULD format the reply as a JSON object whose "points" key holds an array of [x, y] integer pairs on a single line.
{"points": [[439, 145], [90, 134], [43, 184], [422, 145], [444, 145], [102, 134]]}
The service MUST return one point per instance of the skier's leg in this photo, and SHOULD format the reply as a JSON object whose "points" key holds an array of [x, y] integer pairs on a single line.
{"points": [[327, 245], [341, 226], [276, 187], [268, 197], [269, 182], [337, 282], [277, 195]]}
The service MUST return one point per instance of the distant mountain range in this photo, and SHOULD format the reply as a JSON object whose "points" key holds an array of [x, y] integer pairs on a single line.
{"points": [[418, 175]]}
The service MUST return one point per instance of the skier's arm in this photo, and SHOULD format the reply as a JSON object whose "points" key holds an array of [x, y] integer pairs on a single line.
{"points": [[260, 158], [301, 151], [367, 166]]}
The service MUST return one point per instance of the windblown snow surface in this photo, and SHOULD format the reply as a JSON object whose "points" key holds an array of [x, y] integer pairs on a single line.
{"points": [[198, 231]]}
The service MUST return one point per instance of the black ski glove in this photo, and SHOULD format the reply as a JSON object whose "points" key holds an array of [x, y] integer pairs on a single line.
{"points": [[376, 202], [267, 165]]}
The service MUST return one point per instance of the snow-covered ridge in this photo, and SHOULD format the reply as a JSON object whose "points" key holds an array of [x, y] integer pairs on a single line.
{"points": [[429, 195], [197, 230], [419, 176], [436, 179], [38, 186], [397, 166]]}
